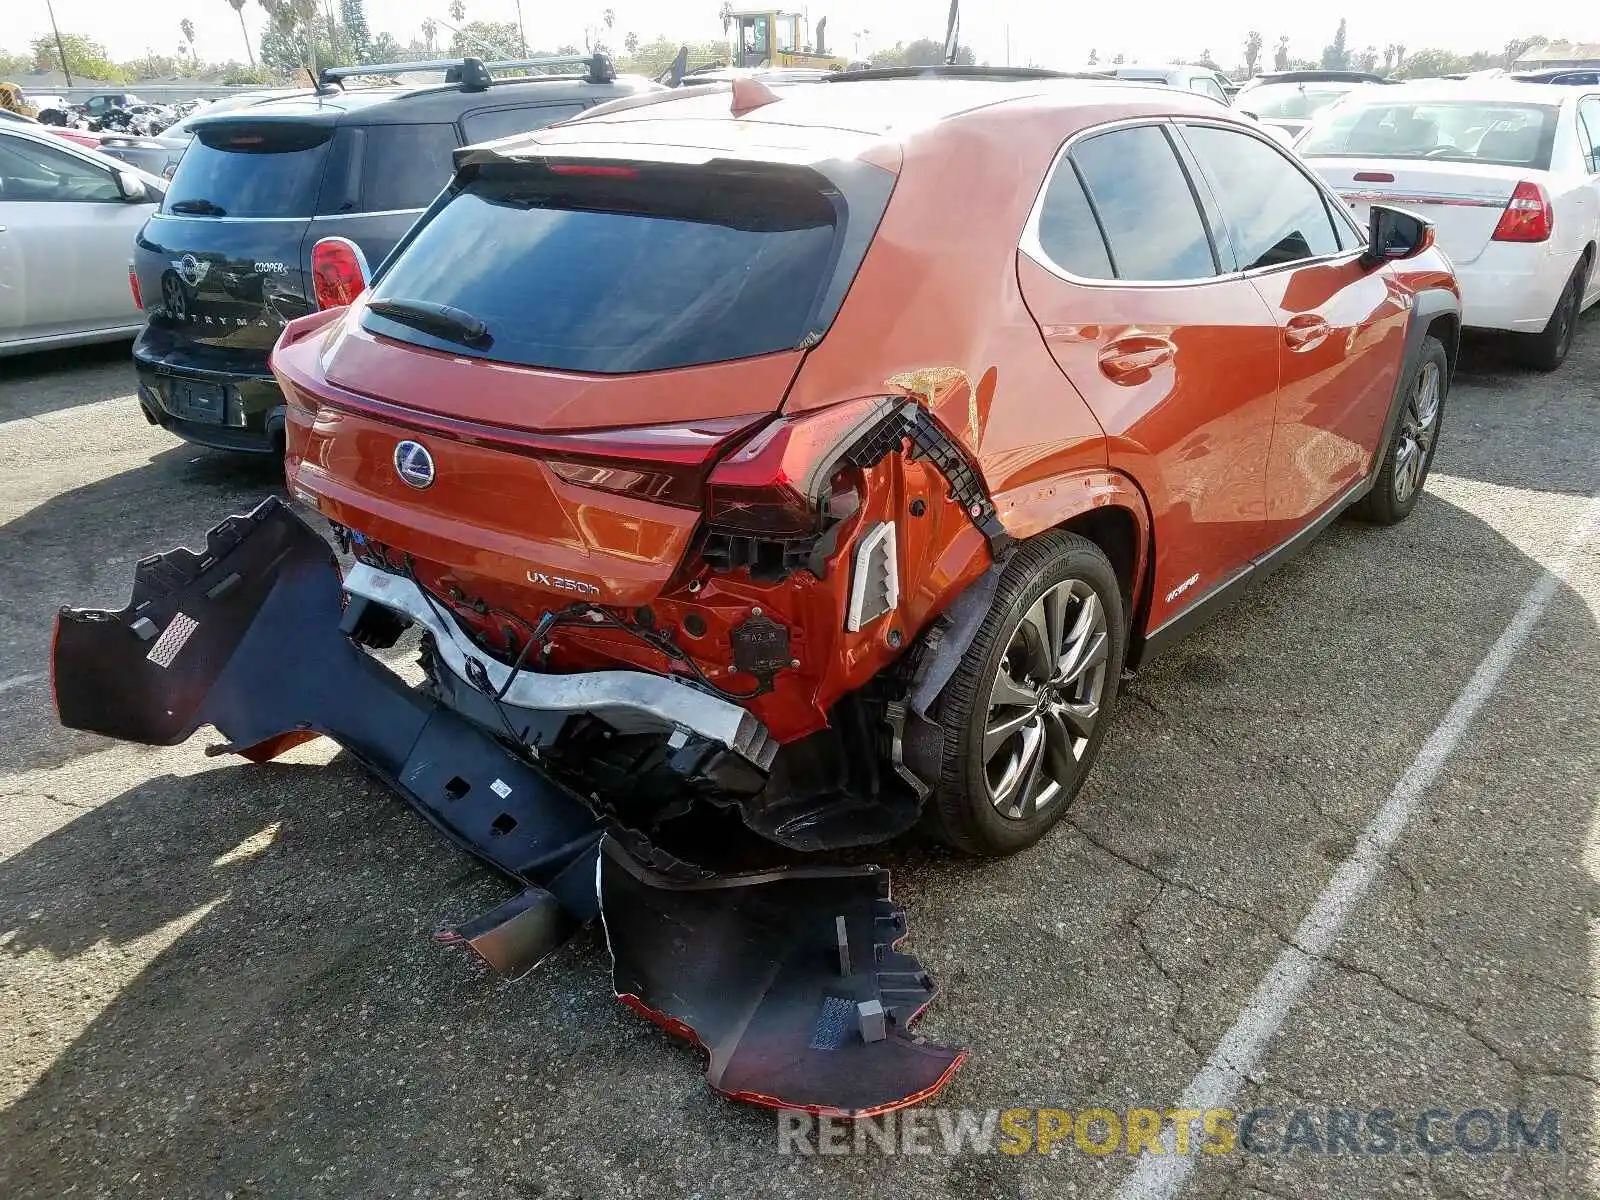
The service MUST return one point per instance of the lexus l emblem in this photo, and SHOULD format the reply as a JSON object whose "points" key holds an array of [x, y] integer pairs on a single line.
{"points": [[190, 269], [413, 464]]}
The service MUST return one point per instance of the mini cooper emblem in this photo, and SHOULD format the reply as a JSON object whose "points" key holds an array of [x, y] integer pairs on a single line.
{"points": [[413, 464], [190, 269]]}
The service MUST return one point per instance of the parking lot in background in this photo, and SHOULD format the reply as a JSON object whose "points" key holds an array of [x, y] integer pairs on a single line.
{"points": [[217, 978]]}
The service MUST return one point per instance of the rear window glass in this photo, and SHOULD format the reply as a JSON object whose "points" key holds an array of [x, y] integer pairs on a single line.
{"points": [[495, 123], [630, 273], [1513, 135], [1290, 101], [404, 166], [249, 172]]}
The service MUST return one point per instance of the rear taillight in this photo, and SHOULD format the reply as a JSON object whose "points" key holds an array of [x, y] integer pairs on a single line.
{"points": [[789, 481], [133, 286], [664, 463], [338, 272], [1527, 217]]}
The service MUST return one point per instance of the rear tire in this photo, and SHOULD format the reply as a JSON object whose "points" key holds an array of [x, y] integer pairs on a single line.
{"points": [[1026, 711], [1548, 349], [1409, 455]]}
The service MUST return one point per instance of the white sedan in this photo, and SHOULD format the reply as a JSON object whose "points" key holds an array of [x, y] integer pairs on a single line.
{"points": [[1509, 174], [68, 217]]}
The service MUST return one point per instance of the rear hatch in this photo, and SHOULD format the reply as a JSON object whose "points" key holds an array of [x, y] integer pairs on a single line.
{"points": [[219, 264], [575, 343], [1456, 162]]}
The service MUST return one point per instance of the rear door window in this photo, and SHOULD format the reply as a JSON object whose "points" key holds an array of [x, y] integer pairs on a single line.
{"points": [[656, 268], [1589, 132], [261, 170], [1069, 233], [494, 123], [404, 166], [1145, 203], [1274, 214]]}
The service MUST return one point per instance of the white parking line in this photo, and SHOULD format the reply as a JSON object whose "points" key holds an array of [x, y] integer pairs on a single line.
{"points": [[1239, 1052], [17, 681]]}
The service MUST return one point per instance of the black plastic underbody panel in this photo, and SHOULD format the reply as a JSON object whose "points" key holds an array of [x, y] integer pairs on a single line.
{"points": [[246, 637]]}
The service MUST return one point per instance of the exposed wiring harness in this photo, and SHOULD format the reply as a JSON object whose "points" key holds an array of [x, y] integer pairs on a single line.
{"points": [[582, 615]]}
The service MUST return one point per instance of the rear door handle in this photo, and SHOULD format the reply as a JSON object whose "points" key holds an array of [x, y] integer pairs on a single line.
{"points": [[1306, 330], [1131, 360]]}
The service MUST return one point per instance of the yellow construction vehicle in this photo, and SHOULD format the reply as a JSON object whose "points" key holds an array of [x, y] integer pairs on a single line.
{"points": [[769, 37]]}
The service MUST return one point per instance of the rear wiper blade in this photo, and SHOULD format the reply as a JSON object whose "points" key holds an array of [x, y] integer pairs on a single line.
{"points": [[203, 208], [441, 320]]}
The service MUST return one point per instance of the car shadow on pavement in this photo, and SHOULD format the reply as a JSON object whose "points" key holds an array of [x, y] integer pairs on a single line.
{"points": [[32, 385], [222, 982], [1521, 436]]}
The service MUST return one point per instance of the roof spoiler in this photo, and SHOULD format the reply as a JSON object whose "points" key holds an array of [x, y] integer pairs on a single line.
{"points": [[473, 74]]}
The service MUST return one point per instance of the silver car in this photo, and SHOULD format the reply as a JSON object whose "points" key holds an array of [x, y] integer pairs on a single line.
{"points": [[68, 217]]}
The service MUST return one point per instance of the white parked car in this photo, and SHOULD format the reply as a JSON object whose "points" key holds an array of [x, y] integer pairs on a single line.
{"points": [[68, 217], [1509, 173]]}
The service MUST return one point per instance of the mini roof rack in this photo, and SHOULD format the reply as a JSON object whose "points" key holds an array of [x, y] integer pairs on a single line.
{"points": [[953, 71], [473, 74]]}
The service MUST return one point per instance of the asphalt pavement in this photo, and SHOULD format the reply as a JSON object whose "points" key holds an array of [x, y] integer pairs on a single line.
{"points": [[216, 979]]}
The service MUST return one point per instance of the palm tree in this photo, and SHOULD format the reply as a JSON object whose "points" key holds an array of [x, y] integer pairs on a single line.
{"points": [[238, 8]]}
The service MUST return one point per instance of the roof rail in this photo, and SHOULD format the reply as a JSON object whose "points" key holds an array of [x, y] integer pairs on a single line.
{"points": [[955, 71], [473, 74]]}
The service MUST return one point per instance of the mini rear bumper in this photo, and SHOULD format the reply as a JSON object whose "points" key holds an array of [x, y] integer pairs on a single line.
{"points": [[250, 413]]}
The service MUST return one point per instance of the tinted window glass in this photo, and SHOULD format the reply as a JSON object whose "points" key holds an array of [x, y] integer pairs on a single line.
{"points": [[1273, 212], [1290, 101], [404, 166], [1589, 132], [31, 171], [503, 122], [1513, 135], [1144, 201], [622, 275], [250, 172], [1068, 232]]}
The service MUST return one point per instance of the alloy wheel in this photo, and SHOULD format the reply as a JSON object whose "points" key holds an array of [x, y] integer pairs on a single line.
{"points": [[1418, 424], [1044, 703]]}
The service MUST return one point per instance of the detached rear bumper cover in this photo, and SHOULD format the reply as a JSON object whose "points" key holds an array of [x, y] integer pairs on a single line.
{"points": [[790, 979]]}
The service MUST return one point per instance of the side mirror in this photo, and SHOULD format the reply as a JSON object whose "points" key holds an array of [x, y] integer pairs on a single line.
{"points": [[131, 188], [1393, 234]]}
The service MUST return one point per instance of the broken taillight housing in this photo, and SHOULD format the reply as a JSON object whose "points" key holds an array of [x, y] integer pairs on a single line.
{"points": [[133, 286], [338, 272], [786, 482], [663, 463]]}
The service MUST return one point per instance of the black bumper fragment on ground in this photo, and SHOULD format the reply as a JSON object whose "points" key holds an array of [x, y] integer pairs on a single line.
{"points": [[790, 978]]}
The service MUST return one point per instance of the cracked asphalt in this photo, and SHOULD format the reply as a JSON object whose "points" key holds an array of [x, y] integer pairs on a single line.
{"points": [[216, 978]]}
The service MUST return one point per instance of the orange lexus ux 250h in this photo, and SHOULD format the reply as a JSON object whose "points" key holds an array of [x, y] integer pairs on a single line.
{"points": [[827, 454]]}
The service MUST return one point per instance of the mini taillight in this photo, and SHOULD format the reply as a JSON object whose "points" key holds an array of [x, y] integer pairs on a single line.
{"points": [[782, 482], [133, 286], [338, 271], [1527, 217]]}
